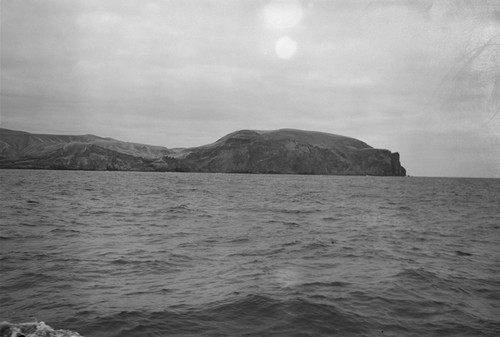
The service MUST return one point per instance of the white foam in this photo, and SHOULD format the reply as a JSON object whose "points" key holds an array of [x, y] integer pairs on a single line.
{"points": [[33, 329]]}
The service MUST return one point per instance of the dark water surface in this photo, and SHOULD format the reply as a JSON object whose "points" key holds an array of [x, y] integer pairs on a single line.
{"points": [[165, 254]]}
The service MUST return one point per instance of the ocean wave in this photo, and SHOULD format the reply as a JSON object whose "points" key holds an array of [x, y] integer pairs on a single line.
{"points": [[26, 280], [318, 245], [326, 284], [257, 315], [258, 256], [269, 252], [66, 231], [33, 329]]}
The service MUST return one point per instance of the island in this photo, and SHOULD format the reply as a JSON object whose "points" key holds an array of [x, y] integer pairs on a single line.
{"points": [[284, 151]]}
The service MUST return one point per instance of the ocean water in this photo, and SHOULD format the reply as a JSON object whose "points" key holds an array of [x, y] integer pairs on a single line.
{"points": [[182, 254]]}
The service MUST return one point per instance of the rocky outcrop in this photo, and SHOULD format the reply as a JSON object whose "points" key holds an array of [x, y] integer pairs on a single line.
{"points": [[284, 151]]}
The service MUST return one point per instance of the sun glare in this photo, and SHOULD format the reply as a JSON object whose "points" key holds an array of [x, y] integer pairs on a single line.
{"points": [[285, 47], [282, 14]]}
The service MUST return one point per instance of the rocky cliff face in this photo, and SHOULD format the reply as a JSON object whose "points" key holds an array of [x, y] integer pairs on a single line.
{"points": [[282, 151], [292, 152]]}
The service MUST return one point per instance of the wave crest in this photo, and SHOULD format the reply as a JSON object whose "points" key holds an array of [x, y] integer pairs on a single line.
{"points": [[33, 329]]}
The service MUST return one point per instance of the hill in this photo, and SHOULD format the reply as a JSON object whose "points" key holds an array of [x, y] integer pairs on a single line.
{"points": [[290, 151], [20, 149], [285, 151]]}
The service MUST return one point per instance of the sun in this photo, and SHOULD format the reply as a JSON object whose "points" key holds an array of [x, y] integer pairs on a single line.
{"points": [[282, 15], [285, 47]]}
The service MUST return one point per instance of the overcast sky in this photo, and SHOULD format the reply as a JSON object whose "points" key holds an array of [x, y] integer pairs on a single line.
{"points": [[418, 77]]}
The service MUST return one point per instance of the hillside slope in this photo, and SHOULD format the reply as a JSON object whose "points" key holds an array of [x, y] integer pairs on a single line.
{"points": [[292, 152], [20, 149], [285, 151]]}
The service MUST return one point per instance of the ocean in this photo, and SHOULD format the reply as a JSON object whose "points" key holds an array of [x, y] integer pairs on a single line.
{"points": [[189, 254]]}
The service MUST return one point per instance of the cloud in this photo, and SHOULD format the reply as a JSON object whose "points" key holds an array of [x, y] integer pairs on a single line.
{"points": [[403, 75]]}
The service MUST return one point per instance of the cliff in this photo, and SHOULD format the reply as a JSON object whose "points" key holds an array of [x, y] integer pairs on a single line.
{"points": [[282, 151], [290, 151]]}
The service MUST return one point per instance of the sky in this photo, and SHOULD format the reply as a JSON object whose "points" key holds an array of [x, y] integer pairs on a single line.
{"points": [[418, 77]]}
